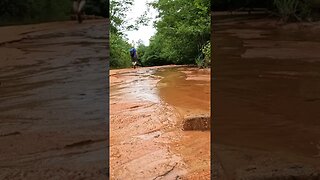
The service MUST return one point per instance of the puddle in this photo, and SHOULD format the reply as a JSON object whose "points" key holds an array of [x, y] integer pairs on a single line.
{"points": [[187, 89], [138, 128]]}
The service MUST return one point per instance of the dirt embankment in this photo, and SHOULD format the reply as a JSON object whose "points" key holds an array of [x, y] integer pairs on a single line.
{"points": [[154, 133], [266, 98], [53, 94]]}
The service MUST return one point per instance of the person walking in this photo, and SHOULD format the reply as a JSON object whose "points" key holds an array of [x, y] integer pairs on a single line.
{"points": [[134, 57], [78, 9]]}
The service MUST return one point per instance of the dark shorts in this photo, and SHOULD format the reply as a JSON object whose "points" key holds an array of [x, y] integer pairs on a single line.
{"points": [[134, 59]]}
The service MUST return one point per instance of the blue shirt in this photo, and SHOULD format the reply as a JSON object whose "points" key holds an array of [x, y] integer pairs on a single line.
{"points": [[133, 52]]}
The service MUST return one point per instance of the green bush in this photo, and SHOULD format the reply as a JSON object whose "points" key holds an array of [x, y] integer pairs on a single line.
{"points": [[204, 59], [200, 61], [183, 27], [97, 7], [224, 5], [34, 11], [119, 52], [206, 50], [293, 9]]}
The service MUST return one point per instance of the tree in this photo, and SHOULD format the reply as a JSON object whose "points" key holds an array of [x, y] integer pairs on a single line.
{"points": [[97, 7], [118, 10], [119, 47], [183, 27], [119, 57]]}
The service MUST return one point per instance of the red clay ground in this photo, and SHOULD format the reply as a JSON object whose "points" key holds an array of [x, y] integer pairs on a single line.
{"points": [[53, 96], [266, 98], [146, 121]]}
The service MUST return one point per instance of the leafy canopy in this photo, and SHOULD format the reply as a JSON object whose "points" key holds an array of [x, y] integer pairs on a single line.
{"points": [[183, 27]]}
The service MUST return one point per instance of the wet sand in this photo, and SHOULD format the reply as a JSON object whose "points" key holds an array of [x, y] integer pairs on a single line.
{"points": [[53, 96], [147, 140], [266, 98]]}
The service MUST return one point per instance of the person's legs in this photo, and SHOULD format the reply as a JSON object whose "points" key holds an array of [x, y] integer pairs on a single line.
{"points": [[81, 4], [134, 62], [75, 7]]}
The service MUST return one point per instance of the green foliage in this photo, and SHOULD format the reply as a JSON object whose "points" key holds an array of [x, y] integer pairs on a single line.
{"points": [[292, 9], [118, 10], [286, 8], [33, 11], [200, 62], [183, 28], [154, 54], [28, 11], [206, 50], [119, 20], [305, 11], [237, 4], [141, 50], [204, 58], [119, 46], [97, 7], [119, 52]]}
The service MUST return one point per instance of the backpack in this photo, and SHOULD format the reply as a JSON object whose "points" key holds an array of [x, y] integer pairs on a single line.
{"points": [[132, 51]]}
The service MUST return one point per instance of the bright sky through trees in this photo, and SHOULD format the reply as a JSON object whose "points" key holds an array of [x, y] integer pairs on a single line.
{"points": [[145, 32]]}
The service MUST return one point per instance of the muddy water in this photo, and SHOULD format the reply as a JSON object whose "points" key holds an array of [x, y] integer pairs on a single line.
{"points": [[266, 95], [139, 124], [188, 91]]}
